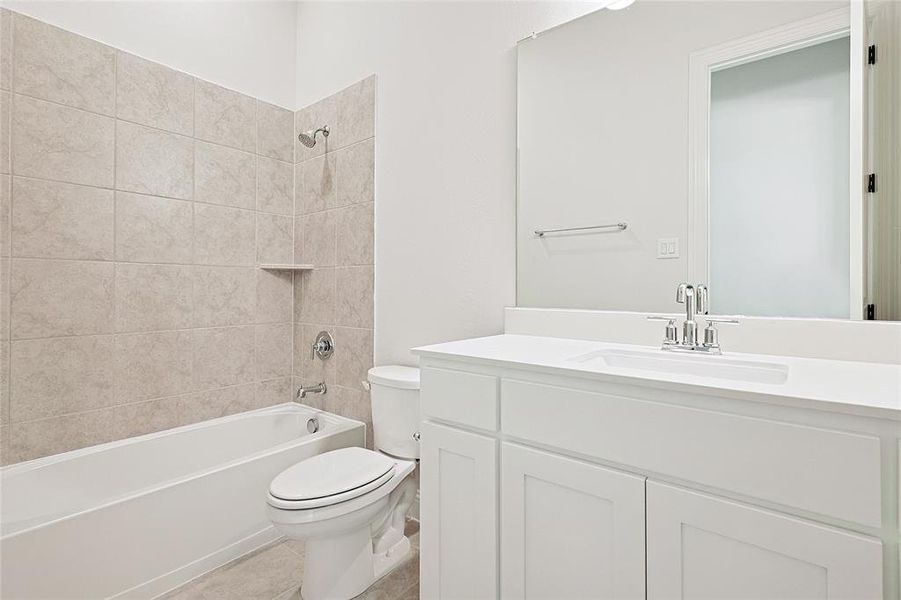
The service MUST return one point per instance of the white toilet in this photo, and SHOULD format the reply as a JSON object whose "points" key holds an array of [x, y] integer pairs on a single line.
{"points": [[350, 505]]}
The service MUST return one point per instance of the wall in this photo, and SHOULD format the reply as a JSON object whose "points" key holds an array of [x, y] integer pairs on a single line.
{"points": [[139, 203], [247, 46], [334, 183], [604, 139], [785, 117], [446, 154]]}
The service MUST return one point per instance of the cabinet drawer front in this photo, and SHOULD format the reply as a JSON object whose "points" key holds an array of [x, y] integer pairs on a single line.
{"points": [[569, 529], [459, 397], [825, 471], [700, 546]]}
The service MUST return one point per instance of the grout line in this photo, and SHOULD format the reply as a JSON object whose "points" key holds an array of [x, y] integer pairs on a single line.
{"points": [[146, 332]]}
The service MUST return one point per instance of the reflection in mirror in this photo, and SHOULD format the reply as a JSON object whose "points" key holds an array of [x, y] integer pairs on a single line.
{"points": [[713, 142]]}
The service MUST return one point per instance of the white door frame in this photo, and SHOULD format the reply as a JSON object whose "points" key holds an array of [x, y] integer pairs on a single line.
{"points": [[793, 36]]}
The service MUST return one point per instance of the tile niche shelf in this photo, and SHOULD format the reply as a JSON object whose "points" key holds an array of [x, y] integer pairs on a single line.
{"points": [[286, 267]]}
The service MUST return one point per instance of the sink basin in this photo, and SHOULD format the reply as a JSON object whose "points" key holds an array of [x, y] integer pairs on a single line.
{"points": [[699, 365]]}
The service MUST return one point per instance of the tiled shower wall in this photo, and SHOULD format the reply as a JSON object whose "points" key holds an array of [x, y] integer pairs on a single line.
{"points": [[334, 188], [136, 203]]}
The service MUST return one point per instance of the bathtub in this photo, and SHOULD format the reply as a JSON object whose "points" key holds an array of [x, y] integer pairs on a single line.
{"points": [[138, 517]]}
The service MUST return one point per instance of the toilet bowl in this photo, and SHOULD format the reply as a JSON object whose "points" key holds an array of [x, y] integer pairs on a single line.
{"points": [[350, 505]]}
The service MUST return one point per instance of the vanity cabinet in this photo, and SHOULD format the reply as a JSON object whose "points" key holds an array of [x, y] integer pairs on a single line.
{"points": [[459, 548], [700, 546], [539, 485], [569, 529]]}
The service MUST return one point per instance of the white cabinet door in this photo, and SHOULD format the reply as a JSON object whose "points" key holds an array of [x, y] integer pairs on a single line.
{"points": [[569, 529], [701, 547], [459, 515]]}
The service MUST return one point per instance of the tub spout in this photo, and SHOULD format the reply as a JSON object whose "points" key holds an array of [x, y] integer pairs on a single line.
{"points": [[319, 388]]}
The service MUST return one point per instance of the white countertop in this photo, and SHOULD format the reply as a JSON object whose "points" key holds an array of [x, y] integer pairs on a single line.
{"points": [[868, 389]]}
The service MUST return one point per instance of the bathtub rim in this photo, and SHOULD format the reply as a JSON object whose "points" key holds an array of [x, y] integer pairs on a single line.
{"points": [[335, 423]]}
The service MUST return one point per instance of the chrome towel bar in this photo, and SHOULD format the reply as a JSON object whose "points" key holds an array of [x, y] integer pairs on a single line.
{"points": [[616, 226]]}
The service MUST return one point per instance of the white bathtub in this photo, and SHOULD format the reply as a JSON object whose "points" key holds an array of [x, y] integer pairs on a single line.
{"points": [[137, 517]]}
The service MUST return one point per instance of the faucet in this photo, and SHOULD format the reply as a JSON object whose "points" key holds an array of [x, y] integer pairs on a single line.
{"points": [[319, 388], [697, 302]]}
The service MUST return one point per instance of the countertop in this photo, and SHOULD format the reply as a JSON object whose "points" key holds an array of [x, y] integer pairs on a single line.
{"points": [[860, 388]]}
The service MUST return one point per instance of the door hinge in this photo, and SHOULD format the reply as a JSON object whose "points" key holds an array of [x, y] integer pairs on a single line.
{"points": [[871, 312], [871, 183], [871, 55]]}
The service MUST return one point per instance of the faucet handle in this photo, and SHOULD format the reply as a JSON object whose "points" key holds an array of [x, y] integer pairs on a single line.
{"points": [[703, 299], [715, 320], [711, 334], [671, 336]]}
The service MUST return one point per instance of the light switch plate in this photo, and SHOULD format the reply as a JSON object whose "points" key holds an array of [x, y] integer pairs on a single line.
{"points": [[667, 247]]}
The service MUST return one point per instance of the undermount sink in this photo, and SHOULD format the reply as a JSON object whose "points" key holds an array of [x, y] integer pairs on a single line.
{"points": [[689, 364]]}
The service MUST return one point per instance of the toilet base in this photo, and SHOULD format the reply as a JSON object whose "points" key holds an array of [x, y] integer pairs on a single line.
{"points": [[342, 567]]}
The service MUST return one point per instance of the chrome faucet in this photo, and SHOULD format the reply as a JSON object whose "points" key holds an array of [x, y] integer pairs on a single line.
{"points": [[697, 302], [319, 389]]}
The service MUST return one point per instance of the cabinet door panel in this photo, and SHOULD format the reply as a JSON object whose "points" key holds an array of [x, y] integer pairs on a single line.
{"points": [[701, 547], [459, 515], [569, 529]]}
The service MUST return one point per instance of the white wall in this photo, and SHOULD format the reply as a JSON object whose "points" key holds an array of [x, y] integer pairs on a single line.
{"points": [[248, 46], [445, 163], [779, 152]]}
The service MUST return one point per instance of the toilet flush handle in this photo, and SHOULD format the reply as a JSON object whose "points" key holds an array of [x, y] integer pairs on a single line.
{"points": [[416, 436]]}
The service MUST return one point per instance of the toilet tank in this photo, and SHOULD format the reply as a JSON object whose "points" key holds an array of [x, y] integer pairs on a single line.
{"points": [[395, 410]]}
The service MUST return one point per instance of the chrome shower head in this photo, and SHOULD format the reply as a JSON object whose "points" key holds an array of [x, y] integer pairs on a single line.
{"points": [[308, 138]]}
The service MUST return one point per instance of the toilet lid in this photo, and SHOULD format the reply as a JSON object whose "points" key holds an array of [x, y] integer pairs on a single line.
{"points": [[334, 473]]}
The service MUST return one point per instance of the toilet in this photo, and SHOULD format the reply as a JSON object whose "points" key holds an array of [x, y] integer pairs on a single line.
{"points": [[350, 505]]}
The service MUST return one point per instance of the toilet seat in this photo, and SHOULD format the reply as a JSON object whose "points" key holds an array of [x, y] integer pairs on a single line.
{"points": [[330, 478]]}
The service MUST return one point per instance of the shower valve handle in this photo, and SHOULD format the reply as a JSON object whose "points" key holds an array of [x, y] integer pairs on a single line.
{"points": [[323, 347]]}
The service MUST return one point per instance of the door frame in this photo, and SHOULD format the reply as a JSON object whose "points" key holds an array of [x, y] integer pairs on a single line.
{"points": [[849, 21]]}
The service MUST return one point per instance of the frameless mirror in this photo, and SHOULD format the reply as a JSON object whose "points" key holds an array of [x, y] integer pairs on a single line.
{"points": [[725, 143]]}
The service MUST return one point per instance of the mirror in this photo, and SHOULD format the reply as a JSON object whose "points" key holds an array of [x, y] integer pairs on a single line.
{"points": [[724, 143]]}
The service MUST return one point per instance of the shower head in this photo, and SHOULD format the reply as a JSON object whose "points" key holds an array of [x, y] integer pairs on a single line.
{"points": [[308, 138]]}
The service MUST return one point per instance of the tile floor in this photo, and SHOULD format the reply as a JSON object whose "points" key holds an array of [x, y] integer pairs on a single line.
{"points": [[274, 573]]}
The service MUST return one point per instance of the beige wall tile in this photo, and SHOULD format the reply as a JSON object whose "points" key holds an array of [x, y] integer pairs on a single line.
{"points": [[224, 296], [201, 406], [319, 239], [57, 142], [275, 186], [152, 365], [353, 356], [4, 381], [5, 49], [312, 370], [57, 376], [224, 116], [274, 391], [152, 94], [57, 65], [5, 128], [275, 132], [5, 214], [224, 176], [318, 191], [152, 229], [61, 220], [355, 235], [273, 350], [299, 255], [51, 298], [324, 112], [315, 296], [153, 297], [275, 296], [352, 403], [298, 189], [4, 298], [356, 112], [275, 239], [354, 288], [224, 236], [150, 161], [34, 439], [223, 357], [356, 173]]}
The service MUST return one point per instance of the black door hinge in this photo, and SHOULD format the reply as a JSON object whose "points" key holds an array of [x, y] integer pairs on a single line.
{"points": [[871, 312], [871, 55], [871, 183]]}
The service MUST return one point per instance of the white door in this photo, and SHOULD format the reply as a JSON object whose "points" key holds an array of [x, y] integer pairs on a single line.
{"points": [[701, 547], [569, 529], [459, 515]]}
